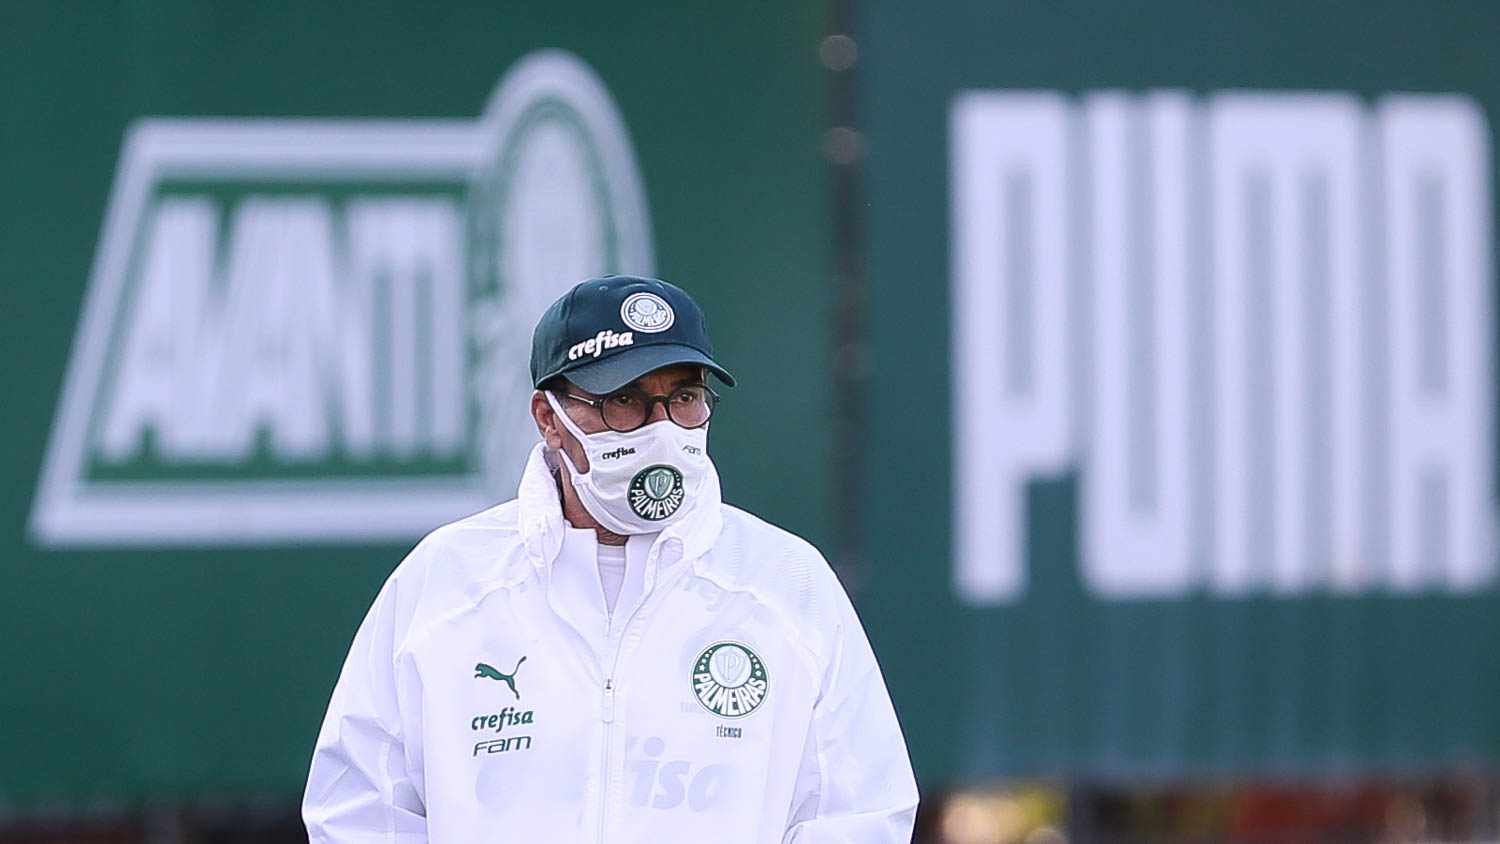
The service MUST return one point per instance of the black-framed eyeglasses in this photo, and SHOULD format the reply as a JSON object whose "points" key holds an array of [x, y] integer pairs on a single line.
{"points": [[690, 406]]}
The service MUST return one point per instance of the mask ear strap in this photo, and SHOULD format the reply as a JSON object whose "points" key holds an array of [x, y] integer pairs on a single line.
{"points": [[563, 417], [567, 423]]}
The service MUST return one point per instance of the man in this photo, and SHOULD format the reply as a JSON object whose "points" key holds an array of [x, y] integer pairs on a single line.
{"points": [[615, 656]]}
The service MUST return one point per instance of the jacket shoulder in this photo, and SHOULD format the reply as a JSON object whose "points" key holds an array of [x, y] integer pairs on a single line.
{"points": [[769, 543], [455, 566], [781, 570]]}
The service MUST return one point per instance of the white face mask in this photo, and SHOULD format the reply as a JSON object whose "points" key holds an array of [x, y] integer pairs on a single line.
{"points": [[641, 481]]}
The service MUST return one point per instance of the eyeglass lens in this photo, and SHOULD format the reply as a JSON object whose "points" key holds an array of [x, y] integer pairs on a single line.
{"points": [[627, 410]]}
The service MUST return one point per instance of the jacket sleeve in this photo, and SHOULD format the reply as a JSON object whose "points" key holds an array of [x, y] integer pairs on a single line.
{"points": [[856, 776], [365, 783]]}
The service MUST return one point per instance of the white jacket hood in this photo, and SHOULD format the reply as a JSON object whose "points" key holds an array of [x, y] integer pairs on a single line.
{"points": [[489, 695]]}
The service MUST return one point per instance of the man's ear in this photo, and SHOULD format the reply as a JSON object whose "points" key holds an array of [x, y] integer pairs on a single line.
{"points": [[546, 420]]}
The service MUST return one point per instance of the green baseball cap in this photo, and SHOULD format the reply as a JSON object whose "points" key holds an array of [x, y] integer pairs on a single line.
{"points": [[607, 332]]}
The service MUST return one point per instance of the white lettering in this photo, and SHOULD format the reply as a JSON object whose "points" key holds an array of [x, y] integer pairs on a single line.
{"points": [[285, 352], [1135, 486], [1241, 424], [1438, 260], [265, 382], [159, 385], [596, 345], [1011, 327], [1284, 227], [410, 250]]}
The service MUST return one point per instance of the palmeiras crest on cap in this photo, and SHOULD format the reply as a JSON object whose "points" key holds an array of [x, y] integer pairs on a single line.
{"points": [[647, 312]]}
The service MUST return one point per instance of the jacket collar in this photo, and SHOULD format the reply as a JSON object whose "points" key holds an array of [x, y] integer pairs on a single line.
{"points": [[541, 519]]}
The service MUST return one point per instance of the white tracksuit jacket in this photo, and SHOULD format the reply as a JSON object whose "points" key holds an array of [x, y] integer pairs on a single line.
{"points": [[603, 737]]}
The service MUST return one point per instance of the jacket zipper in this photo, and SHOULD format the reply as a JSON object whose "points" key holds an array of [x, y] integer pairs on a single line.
{"points": [[607, 714], [608, 706], [609, 717]]}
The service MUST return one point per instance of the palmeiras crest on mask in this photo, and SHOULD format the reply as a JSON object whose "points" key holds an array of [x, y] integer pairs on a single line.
{"points": [[656, 492]]}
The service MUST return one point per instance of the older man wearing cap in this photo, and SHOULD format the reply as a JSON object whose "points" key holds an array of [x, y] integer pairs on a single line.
{"points": [[616, 655]]}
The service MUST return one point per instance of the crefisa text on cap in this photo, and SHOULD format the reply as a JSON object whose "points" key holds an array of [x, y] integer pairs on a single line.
{"points": [[603, 340]]}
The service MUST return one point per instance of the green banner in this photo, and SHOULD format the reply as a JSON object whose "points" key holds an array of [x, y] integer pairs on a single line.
{"points": [[1181, 442], [274, 271]]}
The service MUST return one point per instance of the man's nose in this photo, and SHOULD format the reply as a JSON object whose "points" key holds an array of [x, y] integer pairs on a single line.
{"points": [[658, 410]]}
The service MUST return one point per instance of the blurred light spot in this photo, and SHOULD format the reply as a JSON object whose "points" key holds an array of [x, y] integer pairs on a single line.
{"points": [[1046, 835], [1009, 814], [838, 52], [843, 145]]}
